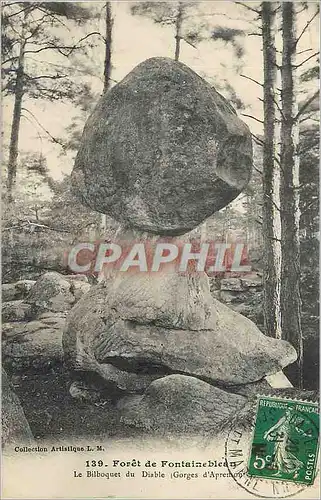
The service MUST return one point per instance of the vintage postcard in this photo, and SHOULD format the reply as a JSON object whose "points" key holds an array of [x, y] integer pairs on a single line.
{"points": [[160, 249]]}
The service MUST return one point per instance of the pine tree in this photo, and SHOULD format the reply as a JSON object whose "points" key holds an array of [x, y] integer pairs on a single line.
{"points": [[290, 220], [29, 28], [270, 209], [108, 45]]}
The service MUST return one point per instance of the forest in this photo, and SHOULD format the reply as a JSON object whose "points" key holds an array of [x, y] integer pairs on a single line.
{"points": [[263, 57]]}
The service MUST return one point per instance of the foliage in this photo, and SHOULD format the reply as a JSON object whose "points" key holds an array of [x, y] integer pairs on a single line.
{"points": [[229, 35], [85, 101], [38, 233], [34, 29]]}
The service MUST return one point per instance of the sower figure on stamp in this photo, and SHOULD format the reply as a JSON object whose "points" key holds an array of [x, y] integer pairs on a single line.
{"points": [[282, 434]]}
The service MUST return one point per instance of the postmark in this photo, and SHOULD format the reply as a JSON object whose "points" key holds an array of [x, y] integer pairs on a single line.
{"points": [[246, 448]]}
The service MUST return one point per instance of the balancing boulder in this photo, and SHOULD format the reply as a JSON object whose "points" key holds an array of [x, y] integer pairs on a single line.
{"points": [[162, 150]]}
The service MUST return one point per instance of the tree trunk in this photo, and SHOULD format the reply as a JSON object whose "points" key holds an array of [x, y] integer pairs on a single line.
{"points": [[15, 127], [272, 249], [107, 71], [178, 34], [108, 44], [290, 213]]}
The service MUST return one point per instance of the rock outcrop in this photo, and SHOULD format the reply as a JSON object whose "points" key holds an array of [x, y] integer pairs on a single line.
{"points": [[137, 328], [162, 150], [177, 404], [242, 294], [15, 428], [33, 323], [33, 345], [51, 292], [16, 310], [16, 291]]}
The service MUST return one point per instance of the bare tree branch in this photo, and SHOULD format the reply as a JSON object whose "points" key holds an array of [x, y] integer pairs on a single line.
{"points": [[30, 121], [277, 9], [40, 22], [306, 26], [308, 59], [43, 128], [189, 43], [257, 170], [252, 117], [17, 13], [8, 4], [274, 239], [13, 27], [306, 104], [248, 8], [27, 223], [278, 161], [259, 141], [61, 48], [50, 77], [279, 109], [13, 58], [273, 202], [54, 17], [308, 117], [303, 51], [112, 80], [252, 80], [90, 34]]}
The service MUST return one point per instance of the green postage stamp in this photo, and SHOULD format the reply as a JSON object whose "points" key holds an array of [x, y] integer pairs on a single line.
{"points": [[285, 440]]}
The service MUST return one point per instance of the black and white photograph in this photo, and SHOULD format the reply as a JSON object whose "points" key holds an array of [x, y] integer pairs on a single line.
{"points": [[160, 249]]}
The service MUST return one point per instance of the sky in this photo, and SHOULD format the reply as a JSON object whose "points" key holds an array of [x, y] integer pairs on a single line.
{"points": [[135, 39]]}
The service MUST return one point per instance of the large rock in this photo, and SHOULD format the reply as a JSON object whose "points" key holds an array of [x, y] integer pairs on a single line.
{"points": [[233, 284], [264, 386], [162, 150], [16, 310], [45, 320], [111, 383], [177, 404], [79, 288], [16, 291], [33, 345], [252, 280], [76, 277], [51, 292], [15, 427], [8, 292], [135, 328]]}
